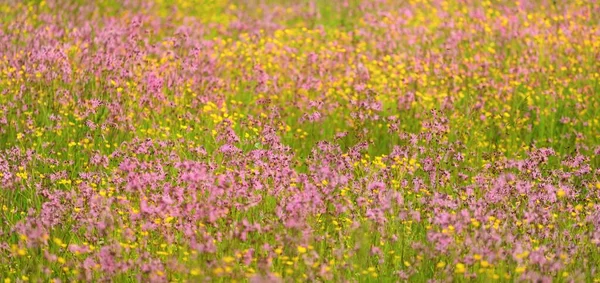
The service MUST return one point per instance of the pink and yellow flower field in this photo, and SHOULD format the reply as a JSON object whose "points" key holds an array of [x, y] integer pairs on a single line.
{"points": [[299, 141]]}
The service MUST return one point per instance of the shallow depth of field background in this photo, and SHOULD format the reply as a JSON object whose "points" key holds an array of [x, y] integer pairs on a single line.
{"points": [[295, 141]]}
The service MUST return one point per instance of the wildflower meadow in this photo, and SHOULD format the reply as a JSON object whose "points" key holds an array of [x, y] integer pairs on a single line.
{"points": [[299, 141]]}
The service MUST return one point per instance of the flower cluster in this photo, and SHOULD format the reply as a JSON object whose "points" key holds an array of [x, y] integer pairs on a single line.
{"points": [[279, 141]]}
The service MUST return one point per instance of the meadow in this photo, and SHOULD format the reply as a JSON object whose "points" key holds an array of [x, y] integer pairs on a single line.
{"points": [[299, 141]]}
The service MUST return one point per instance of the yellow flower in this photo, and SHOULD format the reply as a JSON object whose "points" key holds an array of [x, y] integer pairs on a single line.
{"points": [[218, 271], [520, 269], [460, 268], [441, 264], [524, 254], [21, 252], [561, 193], [228, 259], [22, 175], [301, 249]]}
